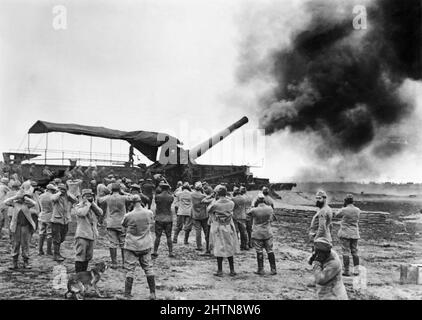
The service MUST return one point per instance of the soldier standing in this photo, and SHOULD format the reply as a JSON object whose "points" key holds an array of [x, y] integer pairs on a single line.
{"points": [[44, 222], [184, 212], [21, 226], [239, 218], [349, 234], [321, 221], [199, 216], [4, 189], [163, 218], [86, 233], [62, 204], [248, 205], [262, 237], [138, 244], [326, 267], [148, 190]]}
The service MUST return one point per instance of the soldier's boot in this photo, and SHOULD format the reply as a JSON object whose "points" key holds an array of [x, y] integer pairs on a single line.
{"points": [[123, 258], [128, 287], [355, 265], [41, 245], [187, 237], [79, 266], [271, 259], [26, 264], [49, 243], [151, 285], [346, 262], [56, 256], [175, 236], [14, 264], [113, 257], [260, 261], [219, 272], [170, 247], [231, 264]]}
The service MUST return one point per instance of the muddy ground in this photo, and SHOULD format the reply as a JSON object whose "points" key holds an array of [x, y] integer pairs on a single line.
{"points": [[190, 275]]}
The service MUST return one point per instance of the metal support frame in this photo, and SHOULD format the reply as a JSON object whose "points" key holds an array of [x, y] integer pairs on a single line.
{"points": [[46, 148]]}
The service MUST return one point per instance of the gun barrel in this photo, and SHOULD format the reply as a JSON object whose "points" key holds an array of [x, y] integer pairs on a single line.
{"points": [[203, 147]]}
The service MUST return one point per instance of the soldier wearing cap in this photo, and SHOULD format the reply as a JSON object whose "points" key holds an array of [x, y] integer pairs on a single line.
{"points": [[326, 268], [321, 221], [44, 220], [223, 238], [4, 189], [184, 213], [87, 212], [62, 205], [135, 189], [262, 237], [239, 217], [200, 216], [163, 218], [116, 209], [248, 205], [138, 244], [21, 226], [268, 201], [349, 234]]}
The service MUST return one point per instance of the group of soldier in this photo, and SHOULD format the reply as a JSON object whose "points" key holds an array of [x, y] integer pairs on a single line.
{"points": [[124, 209]]}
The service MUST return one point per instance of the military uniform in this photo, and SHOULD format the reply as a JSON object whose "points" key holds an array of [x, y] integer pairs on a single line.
{"points": [[116, 209], [262, 237], [21, 226], [328, 279], [138, 244], [44, 221], [86, 232], [60, 219], [349, 234], [239, 219], [163, 220], [200, 218], [321, 224]]}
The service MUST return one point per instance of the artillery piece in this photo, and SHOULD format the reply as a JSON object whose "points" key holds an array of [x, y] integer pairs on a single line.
{"points": [[176, 163]]}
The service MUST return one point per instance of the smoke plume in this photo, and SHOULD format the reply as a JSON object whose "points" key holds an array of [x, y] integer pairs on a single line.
{"points": [[341, 83]]}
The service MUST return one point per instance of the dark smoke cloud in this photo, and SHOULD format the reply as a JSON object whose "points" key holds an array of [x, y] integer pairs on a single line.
{"points": [[342, 84]]}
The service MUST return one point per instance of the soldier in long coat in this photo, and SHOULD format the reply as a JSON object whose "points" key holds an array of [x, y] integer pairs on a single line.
{"points": [[223, 237]]}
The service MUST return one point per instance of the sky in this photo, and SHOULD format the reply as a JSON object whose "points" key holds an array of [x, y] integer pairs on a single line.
{"points": [[155, 65]]}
